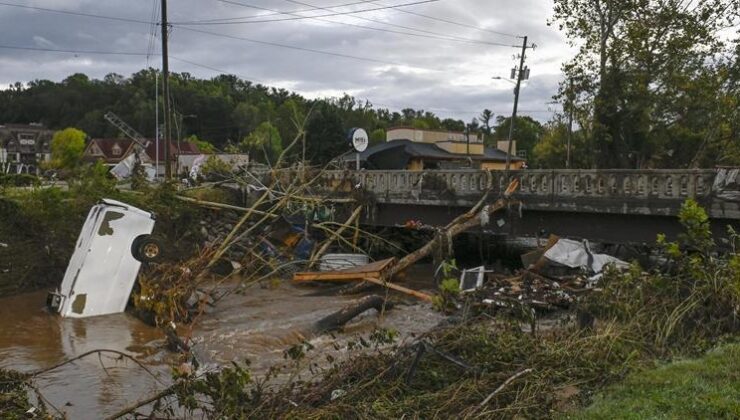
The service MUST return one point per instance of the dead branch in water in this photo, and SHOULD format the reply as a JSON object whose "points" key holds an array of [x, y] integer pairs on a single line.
{"points": [[121, 355]]}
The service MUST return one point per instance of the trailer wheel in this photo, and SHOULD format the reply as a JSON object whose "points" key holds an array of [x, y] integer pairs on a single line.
{"points": [[146, 249]]}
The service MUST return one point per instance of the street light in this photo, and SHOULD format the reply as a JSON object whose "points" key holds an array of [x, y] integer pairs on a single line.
{"points": [[504, 79]]}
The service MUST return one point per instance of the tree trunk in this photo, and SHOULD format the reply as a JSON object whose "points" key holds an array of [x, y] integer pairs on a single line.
{"points": [[338, 319]]}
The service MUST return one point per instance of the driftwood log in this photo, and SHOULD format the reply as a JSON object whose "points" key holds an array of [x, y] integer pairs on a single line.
{"points": [[338, 319]]}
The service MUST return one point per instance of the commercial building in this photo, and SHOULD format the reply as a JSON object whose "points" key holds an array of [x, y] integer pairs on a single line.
{"points": [[415, 150], [24, 147]]}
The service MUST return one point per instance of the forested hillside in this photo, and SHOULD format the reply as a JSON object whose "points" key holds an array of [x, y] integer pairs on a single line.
{"points": [[225, 111]]}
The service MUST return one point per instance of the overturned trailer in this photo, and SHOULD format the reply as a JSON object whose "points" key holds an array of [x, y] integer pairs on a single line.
{"points": [[114, 241]]}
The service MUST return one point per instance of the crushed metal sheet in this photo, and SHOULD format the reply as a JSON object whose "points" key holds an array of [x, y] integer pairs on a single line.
{"points": [[575, 254]]}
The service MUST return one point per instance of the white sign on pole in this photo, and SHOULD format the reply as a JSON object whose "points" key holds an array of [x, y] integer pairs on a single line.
{"points": [[360, 140]]}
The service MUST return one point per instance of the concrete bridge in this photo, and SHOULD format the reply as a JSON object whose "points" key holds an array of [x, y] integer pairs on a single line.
{"points": [[618, 206]]}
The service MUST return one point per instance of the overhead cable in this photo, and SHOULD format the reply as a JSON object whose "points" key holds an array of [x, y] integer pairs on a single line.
{"points": [[68, 12]]}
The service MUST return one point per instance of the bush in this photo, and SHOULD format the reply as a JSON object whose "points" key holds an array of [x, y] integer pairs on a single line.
{"points": [[687, 303], [215, 169], [19, 180]]}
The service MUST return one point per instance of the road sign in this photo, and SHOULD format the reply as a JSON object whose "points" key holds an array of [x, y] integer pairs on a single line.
{"points": [[360, 140]]}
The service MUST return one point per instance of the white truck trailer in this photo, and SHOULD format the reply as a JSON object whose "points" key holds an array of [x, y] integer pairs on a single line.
{"points": [[115, 240]]}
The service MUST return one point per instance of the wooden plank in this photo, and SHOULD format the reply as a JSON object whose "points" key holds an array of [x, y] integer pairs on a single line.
{"points": [[334, 276], [375, 270], [414, 293]]}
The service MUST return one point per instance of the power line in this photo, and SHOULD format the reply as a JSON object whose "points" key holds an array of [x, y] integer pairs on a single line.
{"points": [[293, 47], [297, 17], [216, 69], [273, 14], [451, 22], [70, 51], [435, 35], [68, 12], [151, 47]]}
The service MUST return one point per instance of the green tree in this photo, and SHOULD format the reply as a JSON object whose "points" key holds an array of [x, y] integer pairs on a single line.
{"points": [[527, 132], [378, 136], [653, 78], [486, 118], [264, 143], [550, 152], [67, 147], [326, 135]]}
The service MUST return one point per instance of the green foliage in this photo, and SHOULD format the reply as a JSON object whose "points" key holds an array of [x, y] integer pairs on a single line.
{"points": [[204, 146], [215, 169], [326, 136], [654, 84], [264, 143], [138, 178], [704, 388], [696, 222], [93, 181], [19, 180], [378, 136], [67, 147], [14, 401], [223, 394], [551, 150], [449, 288], [686, 304], [527, 132], [40, 227], [228, 110]]}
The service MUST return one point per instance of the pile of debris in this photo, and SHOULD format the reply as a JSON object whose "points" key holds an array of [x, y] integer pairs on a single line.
{"points": [[553, 278]]}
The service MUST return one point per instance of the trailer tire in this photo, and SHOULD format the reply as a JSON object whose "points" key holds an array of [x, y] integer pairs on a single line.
{"points": [[146, 249]]}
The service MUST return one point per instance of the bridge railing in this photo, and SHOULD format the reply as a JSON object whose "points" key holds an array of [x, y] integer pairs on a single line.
{"points": [[551, 184]]}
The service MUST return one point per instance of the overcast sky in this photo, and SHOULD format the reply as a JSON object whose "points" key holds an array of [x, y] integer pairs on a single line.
{"points": [[415, 61]]}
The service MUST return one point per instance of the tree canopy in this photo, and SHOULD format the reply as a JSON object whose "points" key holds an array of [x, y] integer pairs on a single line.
{"points": [[655, 83], [67, 147], [224, 111]]}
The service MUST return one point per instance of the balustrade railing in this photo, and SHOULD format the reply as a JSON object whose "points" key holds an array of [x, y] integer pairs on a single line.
{"points": [[553, 184]]}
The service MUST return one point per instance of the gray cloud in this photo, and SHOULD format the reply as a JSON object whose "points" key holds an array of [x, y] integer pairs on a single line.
{"points": [[451, 79]]}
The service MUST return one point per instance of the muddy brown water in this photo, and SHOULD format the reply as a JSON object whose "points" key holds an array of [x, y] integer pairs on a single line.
{"points": [[258, 324]]}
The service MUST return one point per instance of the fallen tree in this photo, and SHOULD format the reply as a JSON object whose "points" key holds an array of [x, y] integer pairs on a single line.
{"points": [[478, 215]]}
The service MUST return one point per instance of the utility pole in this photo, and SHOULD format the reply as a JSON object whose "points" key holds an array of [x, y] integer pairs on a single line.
{"points": [[520, 75], [570, 123], [156, 127], [166, 88]]}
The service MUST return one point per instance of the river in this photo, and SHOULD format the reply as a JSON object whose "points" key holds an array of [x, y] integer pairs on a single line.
{"points": [[257, 324]]}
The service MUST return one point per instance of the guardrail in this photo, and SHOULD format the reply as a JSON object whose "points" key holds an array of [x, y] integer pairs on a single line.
{"points": [[662, 184], [641, 192]]}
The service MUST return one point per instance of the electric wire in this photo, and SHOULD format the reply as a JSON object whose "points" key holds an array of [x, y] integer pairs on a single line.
{"points": [[68, 12], [297, 17], [452, 22], [293, 47], [276, 13], [72, 51], [431, 34], [151, 47]]}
